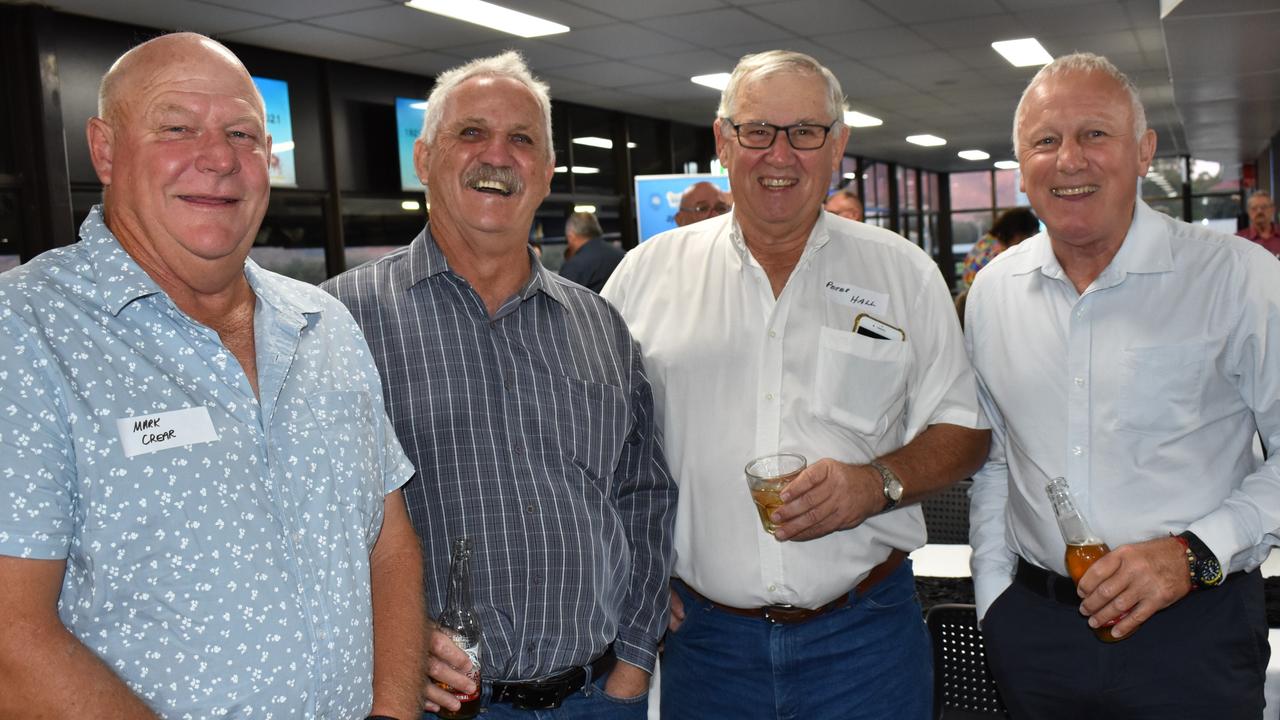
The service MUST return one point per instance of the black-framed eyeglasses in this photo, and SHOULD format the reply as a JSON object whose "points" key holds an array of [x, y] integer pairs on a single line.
{"points": [[703, 208], [760, 135]]}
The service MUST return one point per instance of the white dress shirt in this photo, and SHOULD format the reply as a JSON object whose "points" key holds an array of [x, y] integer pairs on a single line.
{"points": [[737, 374], [1145, 392]]}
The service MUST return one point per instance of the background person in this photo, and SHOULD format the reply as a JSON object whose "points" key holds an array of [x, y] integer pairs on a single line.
{"points": [[1262, 226], [700, 201], [845, 203], [589, 259]]}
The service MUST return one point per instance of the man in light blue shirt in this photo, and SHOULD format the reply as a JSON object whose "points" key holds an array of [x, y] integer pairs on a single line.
{"points": [[1135, 356], [199, 504]]}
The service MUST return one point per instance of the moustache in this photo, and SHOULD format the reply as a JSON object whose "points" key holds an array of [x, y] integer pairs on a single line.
{"points": [[493, 178]]}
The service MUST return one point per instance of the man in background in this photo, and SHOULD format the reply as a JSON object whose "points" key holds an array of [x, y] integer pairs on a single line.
{"points": [[199, 509], [1262, 222], [747, 322], [589, 259], [700, 201], [845, 203], [522, 399], [1133, 355]]}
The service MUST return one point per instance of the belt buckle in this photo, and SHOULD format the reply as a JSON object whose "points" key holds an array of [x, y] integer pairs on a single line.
{"points": [[783, 614], [538, 697]]}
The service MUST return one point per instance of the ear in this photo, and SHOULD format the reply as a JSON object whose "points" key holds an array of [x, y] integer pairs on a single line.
{"points": [[421, 159], [842, 142], [721, 138], [101, 148], [1146, 151]]}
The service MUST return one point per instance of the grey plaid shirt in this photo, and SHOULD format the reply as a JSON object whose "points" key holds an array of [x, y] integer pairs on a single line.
{"points": [[533, 432]]}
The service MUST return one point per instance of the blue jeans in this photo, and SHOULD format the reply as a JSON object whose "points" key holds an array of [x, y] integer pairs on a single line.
{"points": [[589, 704], [870, 659]]}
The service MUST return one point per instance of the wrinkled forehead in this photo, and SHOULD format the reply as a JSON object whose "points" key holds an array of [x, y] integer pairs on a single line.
{"points": [[1258, 202], [205, 71]]}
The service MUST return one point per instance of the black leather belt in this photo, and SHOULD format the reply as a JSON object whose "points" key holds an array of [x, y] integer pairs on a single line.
{"points": [[547, 693], [1046, 584]]}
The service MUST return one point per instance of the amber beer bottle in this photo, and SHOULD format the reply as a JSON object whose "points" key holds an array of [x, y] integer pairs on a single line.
{"points": [[1083, 546], [459, 621]]}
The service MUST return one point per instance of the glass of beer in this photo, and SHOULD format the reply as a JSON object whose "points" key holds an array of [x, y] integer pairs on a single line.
{"points": [[766, 476]]}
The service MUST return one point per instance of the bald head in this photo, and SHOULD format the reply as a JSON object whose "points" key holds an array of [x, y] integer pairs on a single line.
{"points": [[700, 201], [133, 71]]}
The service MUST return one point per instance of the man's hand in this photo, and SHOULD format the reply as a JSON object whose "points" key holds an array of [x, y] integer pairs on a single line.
{"points": [[1139, 579], [828, 496], [676, 619], [446, 663], [626, 681]]}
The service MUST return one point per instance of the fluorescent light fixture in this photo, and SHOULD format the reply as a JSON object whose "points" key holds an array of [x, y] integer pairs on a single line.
{"points": [[715, 81], [419, 105], [579, 170], [1023, 52], [850, 176], [926, 140], [1006, 164], [853, 118], [973, 155], [490, 16], [584, 208], [410, 206], [599, 142], [284, 147]]}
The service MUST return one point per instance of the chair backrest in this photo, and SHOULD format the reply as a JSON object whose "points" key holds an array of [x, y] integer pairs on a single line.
{"points": [[962, 684], [946, 515]]}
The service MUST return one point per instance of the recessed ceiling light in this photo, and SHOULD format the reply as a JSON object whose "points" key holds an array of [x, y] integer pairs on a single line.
{"points": [[410, 205], [715, 81], [851, 176], [1006, 164], [584, 208], [579, 170], [490, 16], [1024, 52], [926, 140], [853, 118], [973, 154], [599, 142]]}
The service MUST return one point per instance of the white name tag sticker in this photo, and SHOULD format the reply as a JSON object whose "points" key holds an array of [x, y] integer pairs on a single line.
{"points": [[144, 434], [860, 298]]}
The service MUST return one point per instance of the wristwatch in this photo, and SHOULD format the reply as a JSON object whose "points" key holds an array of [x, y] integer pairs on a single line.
{"points": [[892, 487], [1203, 564]]}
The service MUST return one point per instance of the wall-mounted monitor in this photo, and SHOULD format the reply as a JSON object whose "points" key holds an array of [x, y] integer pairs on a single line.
{"points": [[275, 94], [658, 199], [409, 113]]}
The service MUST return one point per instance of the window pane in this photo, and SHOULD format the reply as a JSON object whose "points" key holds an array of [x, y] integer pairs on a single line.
{"points": [[692, 144], [374, 226], [966, 228], [10, 229], [594, 169], [1217, 211], [1207, 177], [652, 153], [1163, 180], [930, 194], [291, 239], [560, 135], [907, 191], [876, 190], [971, 190], [1007, 188]]}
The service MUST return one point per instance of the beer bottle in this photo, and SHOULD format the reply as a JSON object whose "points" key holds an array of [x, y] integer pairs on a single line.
{"points": [[1083, 546], [458, 620]]}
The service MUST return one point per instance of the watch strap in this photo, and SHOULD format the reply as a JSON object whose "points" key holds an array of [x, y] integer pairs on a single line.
{"points": [[1207, 571], [1191, 560], [888, 477]]}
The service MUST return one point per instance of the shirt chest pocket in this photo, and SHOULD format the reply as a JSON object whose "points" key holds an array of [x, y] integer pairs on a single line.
{"points": [[598, 422], [860, 382], [1160, 388], [344, 421]]}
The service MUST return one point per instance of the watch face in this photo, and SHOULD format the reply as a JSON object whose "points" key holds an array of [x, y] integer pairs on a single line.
{"points": [[1208, 571], [893, 489]]}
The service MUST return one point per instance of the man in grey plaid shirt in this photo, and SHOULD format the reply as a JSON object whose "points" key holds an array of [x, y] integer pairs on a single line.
{"points": [[523, 403]]}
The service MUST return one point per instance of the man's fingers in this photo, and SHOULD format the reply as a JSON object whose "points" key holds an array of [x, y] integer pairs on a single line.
{"points": [[438, 697]]}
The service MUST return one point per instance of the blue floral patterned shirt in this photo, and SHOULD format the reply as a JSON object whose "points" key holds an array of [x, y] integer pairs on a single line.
{"points": [[216, 544]]}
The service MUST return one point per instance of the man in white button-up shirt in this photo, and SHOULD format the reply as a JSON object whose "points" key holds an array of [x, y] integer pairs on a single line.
{"points": [[747, 327], [1136, 356]]}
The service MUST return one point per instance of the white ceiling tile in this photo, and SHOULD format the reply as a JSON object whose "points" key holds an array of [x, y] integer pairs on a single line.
{"points": [[575, 15], [1075, 20], [882, 42], [974, 31], [817, 17], [912, 11], [170, 15], [727, 23], [612, 74], [296, 9], [404, 25], [540, 55], [417, 63], [633, 10], [620, 41], [687, 64], [824, 55], [302, 38]]}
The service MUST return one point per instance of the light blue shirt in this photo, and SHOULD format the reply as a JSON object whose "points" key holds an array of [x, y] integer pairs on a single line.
{"points": [[1145, 392], [221, 567]]}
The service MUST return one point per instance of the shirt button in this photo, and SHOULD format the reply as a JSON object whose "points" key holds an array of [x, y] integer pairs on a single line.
{"points": [[1077, 450], [773, 588], [768, 396], [518, 448], [1079, 382], [529, 507], [773, 334]]}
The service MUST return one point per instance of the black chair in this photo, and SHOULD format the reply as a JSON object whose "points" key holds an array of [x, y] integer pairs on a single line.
{"points": [[946, 515], [963, 688]]}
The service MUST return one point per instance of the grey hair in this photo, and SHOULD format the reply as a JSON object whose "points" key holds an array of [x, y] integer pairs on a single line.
{"points": [[1084, 62], [762, 65], [1259, 193], [509, 64], [584, 224]]}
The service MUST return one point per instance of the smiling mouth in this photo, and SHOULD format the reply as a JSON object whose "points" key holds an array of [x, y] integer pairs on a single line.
{"points": [[492, 187], [777, 183], [1075, 191], [207, 200]]}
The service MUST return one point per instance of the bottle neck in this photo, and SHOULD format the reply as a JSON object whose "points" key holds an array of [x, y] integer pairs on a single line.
{"points": [[459, 592], [1075, 530]]}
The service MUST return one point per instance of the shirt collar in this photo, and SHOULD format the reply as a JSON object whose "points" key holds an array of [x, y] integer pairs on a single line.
{"points": [[819, 235], [1145, 249], [119, 278], [427, 259]]}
